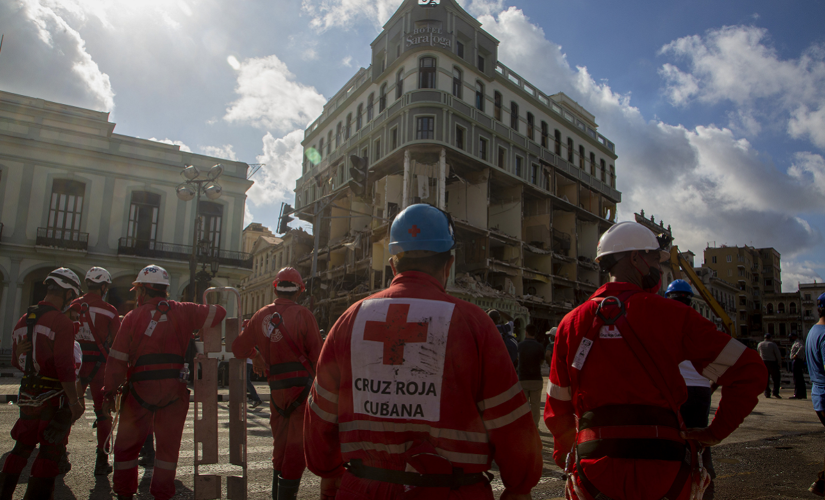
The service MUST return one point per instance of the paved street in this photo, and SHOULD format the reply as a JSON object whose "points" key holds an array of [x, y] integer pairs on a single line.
{"points": [[775, 454]]}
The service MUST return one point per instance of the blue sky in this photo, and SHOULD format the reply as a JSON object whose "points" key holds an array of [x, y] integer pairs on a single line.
{"points": [[717, 109]]}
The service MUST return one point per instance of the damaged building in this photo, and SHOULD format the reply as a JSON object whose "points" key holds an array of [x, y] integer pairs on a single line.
{"points": [[526, 176]]}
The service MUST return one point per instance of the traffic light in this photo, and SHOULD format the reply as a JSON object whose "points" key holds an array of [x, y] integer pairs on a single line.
{"points": [[359, 172], [285, 219]]}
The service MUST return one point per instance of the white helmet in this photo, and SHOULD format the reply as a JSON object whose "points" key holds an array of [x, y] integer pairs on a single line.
{"points": [[64, 278], [98, 275], [628, 236], [151, 275]]}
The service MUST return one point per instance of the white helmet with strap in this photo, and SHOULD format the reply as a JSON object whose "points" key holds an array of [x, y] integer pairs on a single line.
{"points": [[64, 278], [151, 275], [626, 237], [98, 275]]}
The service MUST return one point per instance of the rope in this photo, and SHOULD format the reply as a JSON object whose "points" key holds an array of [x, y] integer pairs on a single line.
{"points": [[107, 445], [26, 399]]}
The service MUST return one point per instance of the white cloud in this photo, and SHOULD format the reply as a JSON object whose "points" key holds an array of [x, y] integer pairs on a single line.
{"points": [[737, 65], [271, 99], [707, 182], [275, 182], [309, 54], [794, 273], [233, 62], [347, 61], [343, 13], [183, 147], [225, 152]]}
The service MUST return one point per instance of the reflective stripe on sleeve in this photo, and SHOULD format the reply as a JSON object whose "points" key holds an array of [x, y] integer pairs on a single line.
{"points": [[160, 464], [501, 398], [507, 419], [210, 317], [558, 392], [436, 432], [329, 417], [727, 358], [122, 356], [131, 464], [398, 449], [332, 398], [20, 333], [98, 310], [43, 330]]}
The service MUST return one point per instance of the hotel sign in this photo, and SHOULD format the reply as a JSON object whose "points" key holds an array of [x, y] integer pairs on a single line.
{"points": [[428, 3], [428, 35]]}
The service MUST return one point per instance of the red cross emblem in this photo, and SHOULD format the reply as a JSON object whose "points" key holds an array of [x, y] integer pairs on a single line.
{"points": [[395, 333], [414, 231]]}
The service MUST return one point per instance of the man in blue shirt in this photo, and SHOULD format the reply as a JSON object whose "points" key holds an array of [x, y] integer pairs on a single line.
{"points": [[815, 354]]}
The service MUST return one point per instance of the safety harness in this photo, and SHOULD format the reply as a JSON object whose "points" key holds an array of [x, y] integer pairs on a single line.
{"points": [[276, 322], [92, 351], [35, 389], [636, 432], [453, 481]]}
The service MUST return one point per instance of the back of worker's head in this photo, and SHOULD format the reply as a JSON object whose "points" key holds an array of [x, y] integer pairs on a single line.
{"points": [[421, 239], [680, 290], [530, 330], [288, 284], [494, 315], [616, 246], [820, 305]]}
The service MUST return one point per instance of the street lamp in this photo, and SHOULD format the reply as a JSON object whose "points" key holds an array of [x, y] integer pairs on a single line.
{"points": [[196, 183]]}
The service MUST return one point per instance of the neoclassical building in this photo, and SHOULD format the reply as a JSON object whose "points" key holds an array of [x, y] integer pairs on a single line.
{"points": [[527, 177], [75, 194]]}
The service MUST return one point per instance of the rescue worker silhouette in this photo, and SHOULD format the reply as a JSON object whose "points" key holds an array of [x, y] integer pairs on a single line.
{"points": [[283, 341], [146, 363], [415, 394], [99, 323], [615, 388], [43, 349]]}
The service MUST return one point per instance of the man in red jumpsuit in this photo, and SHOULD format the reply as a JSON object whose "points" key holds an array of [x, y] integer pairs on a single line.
{"points": [[99, 323], [415, 394], [43, 348], [148, 357], [284, 338], [615, 387]]}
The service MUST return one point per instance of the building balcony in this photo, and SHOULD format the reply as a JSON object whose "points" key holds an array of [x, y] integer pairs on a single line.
{"points": [[62, 238], [174, 251]]}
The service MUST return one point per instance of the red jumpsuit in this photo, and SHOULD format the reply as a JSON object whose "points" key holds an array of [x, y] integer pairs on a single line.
{"points": [[287, 376], [151, 360], [413, 379], [626, 425], [53, 346], [99, 323]]}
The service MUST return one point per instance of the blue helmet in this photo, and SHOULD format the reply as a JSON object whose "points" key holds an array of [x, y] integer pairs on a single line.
{"points": [[679, 286], [421, 227], [820, 302]]}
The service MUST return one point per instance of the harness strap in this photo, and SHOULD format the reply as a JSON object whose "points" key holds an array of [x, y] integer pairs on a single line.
{"points": [[281, 368], [286, 412], [303, 364], [141, 402], [33, 314], [453, 481], [629, 432]]}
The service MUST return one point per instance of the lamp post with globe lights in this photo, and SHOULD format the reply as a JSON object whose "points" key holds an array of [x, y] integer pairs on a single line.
{"points": [[199, 183]]}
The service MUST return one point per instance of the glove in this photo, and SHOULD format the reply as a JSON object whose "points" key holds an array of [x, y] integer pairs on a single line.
{"points": [[59, 426]]}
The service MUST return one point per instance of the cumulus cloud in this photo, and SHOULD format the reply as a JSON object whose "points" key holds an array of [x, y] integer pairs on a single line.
{"points": [[226, 152], [183, 147], [275, 182], [343, 13], [707, 182], [738, 65], [794, 273], [271, 98], [47, 32]]}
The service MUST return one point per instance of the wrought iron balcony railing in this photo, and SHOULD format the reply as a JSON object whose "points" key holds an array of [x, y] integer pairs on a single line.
{"points": [[174, 251], [62, 238]]}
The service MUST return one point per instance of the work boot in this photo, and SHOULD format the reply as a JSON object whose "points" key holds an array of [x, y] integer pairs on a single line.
{"points": [[102, 467], [8, 482], [40, 488], [818, 488], [275, 475], [288, 488]]}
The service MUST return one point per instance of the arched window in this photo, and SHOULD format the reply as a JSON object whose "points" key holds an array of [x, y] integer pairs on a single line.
{"points": [[497, 105], [426, 73], [770, 309], [321, 147], [531, 126], [792, 308], [514, 115], [593, 164], [557, 139], [458, 84], [382, 98], [358, 117], [348, 128], [581, 157], [399, 83], [338, 135], [770, 328], [479, 96], [780, 308], [570, 150], [545, 134], [370, 106], [329, 142]]}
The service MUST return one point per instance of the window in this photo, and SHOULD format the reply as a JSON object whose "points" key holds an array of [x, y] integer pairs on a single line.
{"points": [[781, 308], [581, 157], [358, 117], [321, 147], [768, 282], [729, 258], [481, 63], [459, 137], [557, 140], [713, 259], [593, 164], [601, 166], [545, 134], [502, 158], [329, 142], [792, 308], [399, 83], [378, 149], [348, 128], [369, 107], [425, 128], [211, 217], [531, 125], [534, 174], [570, 150], [782, 329], [497, 105], [382, 98], [143, 219], [482, 148], [547, 181], [519, 162], [426, 73], [394, 138], [479, 96], [612, 177], [459, 49], [514, 116], [458, 86], [66, 209], [338, 135]]}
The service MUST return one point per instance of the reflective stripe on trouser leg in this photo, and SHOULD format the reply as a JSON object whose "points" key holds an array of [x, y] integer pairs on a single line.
{"points": [[18, 458], [134, 425], [168, 425], [288, 443]]}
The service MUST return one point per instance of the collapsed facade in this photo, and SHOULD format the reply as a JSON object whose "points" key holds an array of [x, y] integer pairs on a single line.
{"points": [[526, 177]]}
